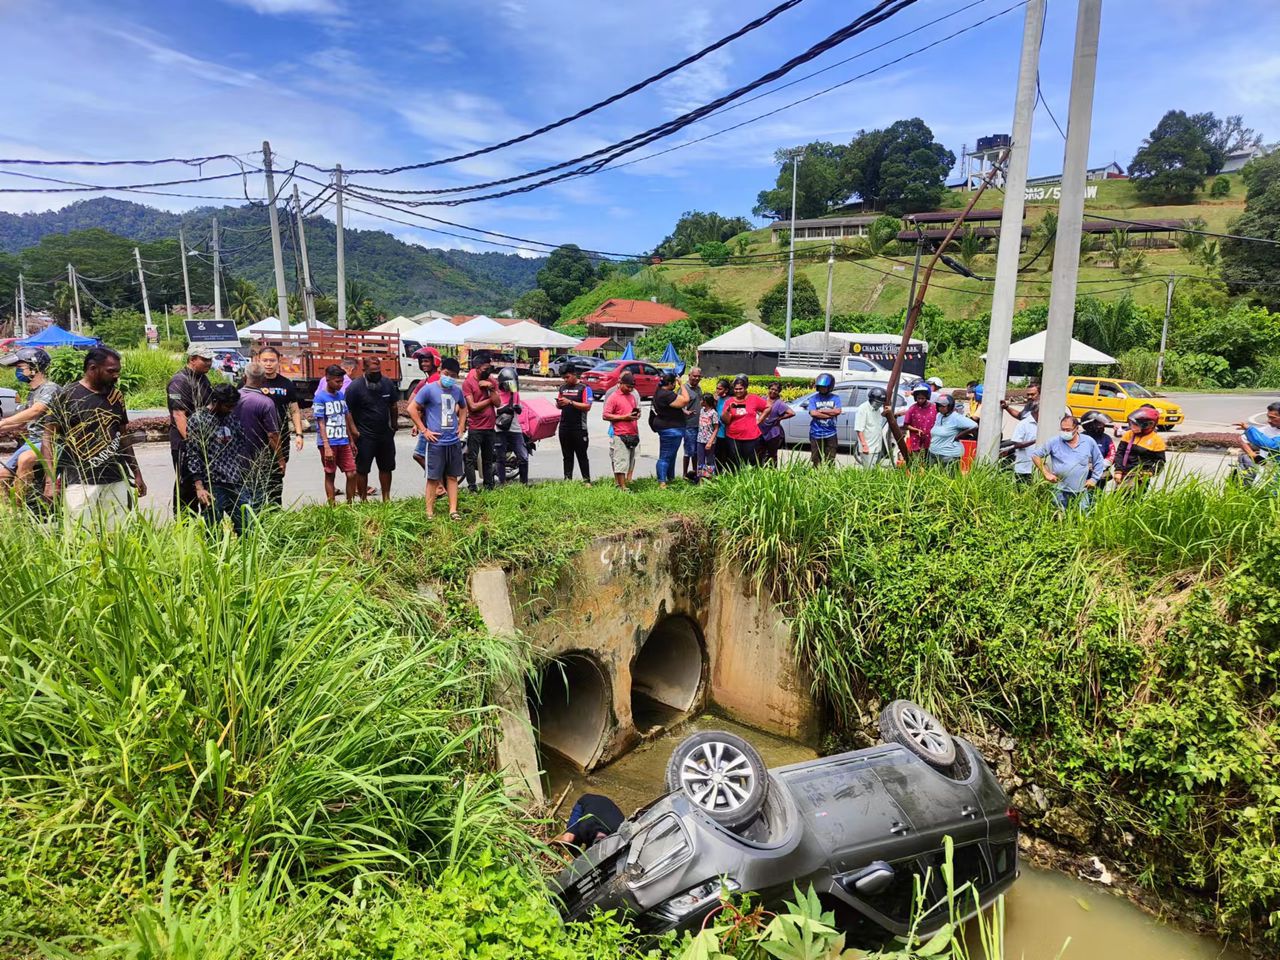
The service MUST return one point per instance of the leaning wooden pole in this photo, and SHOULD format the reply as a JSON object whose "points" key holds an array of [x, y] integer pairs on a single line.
{"points": [[913, 313]]}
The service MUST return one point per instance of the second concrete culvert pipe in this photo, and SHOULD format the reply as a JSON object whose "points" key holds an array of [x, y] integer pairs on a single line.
{"points": [[667, 674]]}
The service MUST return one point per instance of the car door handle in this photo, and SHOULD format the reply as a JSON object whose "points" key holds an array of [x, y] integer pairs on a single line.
{"points": [[969, 810], [898, 828]]}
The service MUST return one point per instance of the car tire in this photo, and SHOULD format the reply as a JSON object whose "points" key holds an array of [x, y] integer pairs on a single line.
{"points": [[736, 799], [919, 731]]}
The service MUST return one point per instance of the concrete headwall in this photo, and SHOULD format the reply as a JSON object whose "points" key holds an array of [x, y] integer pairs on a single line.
{"points": [[638, 632]]}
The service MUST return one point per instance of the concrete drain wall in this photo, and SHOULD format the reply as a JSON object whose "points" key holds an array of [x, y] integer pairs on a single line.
{"points": [[638, 633]]}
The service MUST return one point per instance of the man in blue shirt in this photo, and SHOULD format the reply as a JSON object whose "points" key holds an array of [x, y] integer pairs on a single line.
{"points": [[1077, 464], [824, 407], [334, 432], [944, 440], [439, 411]]}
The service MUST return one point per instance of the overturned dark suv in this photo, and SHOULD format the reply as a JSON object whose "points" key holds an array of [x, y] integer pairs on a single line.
{"points": [[865, 828]]}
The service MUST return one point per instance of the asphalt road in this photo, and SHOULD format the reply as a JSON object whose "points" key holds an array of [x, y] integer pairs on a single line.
{"points": [[304, 482]]}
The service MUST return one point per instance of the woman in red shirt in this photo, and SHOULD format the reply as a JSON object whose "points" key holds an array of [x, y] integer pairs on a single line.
{"points": [[742, 415]]}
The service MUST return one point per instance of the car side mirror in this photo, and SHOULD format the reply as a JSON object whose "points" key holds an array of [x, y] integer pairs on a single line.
{"points": [[874, 878]]}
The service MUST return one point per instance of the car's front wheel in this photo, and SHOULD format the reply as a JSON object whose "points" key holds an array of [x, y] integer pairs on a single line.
{"points": [[722, 775], [919, 731]]}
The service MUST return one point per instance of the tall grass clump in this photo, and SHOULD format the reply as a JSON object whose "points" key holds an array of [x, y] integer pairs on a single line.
{"points": [[253, 711]]}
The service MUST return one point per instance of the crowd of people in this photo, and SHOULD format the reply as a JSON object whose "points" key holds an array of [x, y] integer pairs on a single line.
{"points": [[231, 445]]}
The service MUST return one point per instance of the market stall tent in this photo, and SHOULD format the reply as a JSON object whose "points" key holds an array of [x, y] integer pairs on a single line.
{"points": [[1031, 350], [749, 348], [53, 336]]}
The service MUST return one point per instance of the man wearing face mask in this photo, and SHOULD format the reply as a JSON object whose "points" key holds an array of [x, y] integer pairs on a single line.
{"points": [[372, 402], [481, 393], [20, 468], [869, 426], [1078, 464]]}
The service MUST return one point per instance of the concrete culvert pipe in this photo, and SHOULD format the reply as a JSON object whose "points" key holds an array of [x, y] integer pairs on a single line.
{"points": [[570, 709], [667, 673]]}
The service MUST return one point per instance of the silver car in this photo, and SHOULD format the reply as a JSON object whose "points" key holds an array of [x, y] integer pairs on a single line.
{"points": [[8, 402], [852, 394]]}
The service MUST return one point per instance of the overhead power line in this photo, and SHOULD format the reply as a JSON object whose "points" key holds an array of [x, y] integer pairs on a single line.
{"points": [[189, 161], [585, 111], [597, 159]]}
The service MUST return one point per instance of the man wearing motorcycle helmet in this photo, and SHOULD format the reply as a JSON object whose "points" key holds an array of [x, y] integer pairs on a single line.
{"points": [[510, 435], [32, 365], [824, 407], [1095, 424], [1140, 454], [869, 427]]}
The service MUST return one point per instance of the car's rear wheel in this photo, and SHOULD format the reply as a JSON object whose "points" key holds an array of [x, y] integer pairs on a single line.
{"points": [[919, 731], [722, 775]]}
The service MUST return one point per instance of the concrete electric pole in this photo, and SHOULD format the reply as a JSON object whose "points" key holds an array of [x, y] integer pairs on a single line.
{"points": [[791, 260], [1066, 250], [1004, 297], [308, 295], [217, 271], [146, 304], [1164, 331], [186, 277], [277, 255], [20, 327], [342, 258], [831, 272], [77, 323]]}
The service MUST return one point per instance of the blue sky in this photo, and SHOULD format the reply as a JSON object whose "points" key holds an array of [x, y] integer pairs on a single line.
{"points": [[393, 82]]}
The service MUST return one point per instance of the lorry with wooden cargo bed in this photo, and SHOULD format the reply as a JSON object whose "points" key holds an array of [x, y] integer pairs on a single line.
{"points": [[306, 354]]}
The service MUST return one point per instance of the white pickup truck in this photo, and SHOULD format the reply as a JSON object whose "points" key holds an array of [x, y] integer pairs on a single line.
{"points": [[869, 356]]}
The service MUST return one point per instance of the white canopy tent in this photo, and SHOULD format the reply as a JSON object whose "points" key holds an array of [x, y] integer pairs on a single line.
{"points": [[532, 335], [748, 337], [438, 333], [1031, 350], [269, 325], [396, 325], [482, 329]]}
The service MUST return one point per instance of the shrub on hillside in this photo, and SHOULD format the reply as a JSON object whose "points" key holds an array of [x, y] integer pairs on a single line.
{"points": [[1221, 187], [804, 302]]}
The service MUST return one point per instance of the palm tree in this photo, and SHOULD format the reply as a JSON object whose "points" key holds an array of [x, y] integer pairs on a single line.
{"points": [[1117, 244], [1045, 233], [1210, 257], [1190, 243], [244, 302], [969, 247]]}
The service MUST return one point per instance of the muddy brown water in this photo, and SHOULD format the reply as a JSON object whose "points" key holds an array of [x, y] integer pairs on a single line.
{"points": [[1047, 914]]}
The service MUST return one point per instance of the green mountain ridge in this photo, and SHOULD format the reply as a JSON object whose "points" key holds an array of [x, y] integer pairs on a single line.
{"points": [[402, 278]]}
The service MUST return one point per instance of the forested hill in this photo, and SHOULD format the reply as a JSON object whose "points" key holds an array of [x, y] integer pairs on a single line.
{"points": [[401, 277]]}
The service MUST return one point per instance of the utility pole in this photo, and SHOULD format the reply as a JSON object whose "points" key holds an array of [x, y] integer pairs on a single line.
{"points": [[22, 308], [831, 272], [1066, 254], [1164, 332], [78, 323], [217, 273], [282, 293], [167, 333], [186, 279], [308, 295], [342, 259], [791, 260], [142, 282], [1003, 298]]}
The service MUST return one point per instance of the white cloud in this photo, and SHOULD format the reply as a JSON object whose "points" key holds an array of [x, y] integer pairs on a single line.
{"points": [[167, 56], [279, 8]]}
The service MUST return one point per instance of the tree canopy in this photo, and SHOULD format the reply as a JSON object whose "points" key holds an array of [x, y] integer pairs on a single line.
{"points": [[804, 302], [536, 305], [1255, 266], [1183, 150], [820, 186], [569, 273], [695, 228]]}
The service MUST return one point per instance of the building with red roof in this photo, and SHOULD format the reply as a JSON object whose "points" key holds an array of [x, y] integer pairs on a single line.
{"points": [[624, 320]]}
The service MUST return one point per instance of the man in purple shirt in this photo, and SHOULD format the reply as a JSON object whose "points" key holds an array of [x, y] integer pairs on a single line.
{"points": [[260, 422]]}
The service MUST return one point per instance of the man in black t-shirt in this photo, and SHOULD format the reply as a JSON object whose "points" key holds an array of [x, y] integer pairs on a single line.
{"points": [[284, 394], [85, 447], [372, 401], [574, 400], [188, 391]]}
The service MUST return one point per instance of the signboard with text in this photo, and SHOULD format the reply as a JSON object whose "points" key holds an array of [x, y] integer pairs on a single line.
{"points": [[1053, 193], [212, 333]]}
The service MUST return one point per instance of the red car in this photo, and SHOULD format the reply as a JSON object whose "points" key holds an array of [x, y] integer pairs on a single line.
{"points": [[605, 376]]}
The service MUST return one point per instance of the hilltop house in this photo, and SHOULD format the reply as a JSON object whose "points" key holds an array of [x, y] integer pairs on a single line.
{"points": [[624, 320], [1236, 160]]}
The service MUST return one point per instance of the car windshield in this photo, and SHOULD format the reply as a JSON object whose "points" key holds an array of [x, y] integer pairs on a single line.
{"points": [[1136, 390], [606, 366]]}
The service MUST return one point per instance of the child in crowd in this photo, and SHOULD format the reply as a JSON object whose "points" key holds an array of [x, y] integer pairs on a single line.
{"points": [[708, 429]]}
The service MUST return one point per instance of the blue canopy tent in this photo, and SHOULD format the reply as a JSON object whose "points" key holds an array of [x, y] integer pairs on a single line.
{"points": [[54, 336], [670, 356], [629, 353]]}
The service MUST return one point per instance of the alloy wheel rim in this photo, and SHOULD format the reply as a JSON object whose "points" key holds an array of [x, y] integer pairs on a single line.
{"points": [[717, 777], [925, 731]]}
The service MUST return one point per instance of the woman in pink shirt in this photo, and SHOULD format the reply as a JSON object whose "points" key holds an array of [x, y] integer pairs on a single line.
{"points": [[742, 414]]}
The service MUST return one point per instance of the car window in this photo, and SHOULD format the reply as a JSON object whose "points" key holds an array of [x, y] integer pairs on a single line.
{"points": [[1109, 390], [1136, 390], [1083, 387], [853, 397], [857, 363], [650, 370], [607, 366], [803, 402]]}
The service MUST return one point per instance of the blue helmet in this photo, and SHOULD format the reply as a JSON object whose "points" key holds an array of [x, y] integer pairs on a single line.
{"points": [[825, 381], [977, 393]]}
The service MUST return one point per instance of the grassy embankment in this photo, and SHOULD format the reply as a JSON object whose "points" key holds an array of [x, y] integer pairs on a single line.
{"points": [[858, 288], [279, 747]]}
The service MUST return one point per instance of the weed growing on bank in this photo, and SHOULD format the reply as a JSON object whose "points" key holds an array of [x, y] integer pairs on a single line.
{"points": [[1131, 651]]}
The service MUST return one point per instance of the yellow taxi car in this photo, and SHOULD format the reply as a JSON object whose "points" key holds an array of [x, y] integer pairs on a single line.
{"points": [[1117, 399]]}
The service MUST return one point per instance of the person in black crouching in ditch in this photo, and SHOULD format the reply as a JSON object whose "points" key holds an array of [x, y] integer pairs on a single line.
{"points": [[375, 410], [592, 819]]}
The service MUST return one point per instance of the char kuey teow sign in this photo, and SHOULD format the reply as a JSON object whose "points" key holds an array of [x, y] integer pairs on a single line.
{"points": [[212, 333]]}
